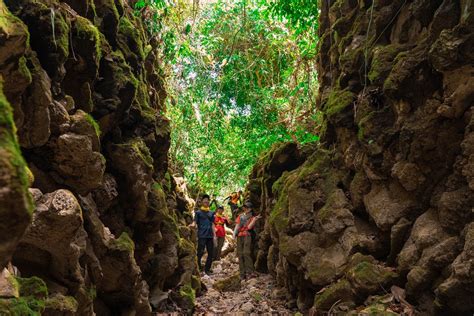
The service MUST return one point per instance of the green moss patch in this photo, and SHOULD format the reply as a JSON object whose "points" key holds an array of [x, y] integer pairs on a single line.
{"points": [[382, 61], [279, 214], [367, 276], [21, 307], [337, 101], [24, 70], [124, 242], [33, 294], [133, 35], [94, 124], [87, 31], [340, 291], [11, 156]]}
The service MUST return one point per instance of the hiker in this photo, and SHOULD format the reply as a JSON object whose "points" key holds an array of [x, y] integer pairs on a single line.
{"points": [[204, 219], [234, 199], [220, 221], [244, 225]]}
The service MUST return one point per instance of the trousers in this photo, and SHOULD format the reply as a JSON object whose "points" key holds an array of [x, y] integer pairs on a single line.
{"points": [[218, 251], [244, 252], [205, 244]]}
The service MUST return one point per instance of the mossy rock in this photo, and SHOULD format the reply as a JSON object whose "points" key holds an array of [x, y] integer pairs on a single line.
{"points": [[94, 124], [402, 70], [196, 283], [187, 296], [322, 272], [33, 293], [139, 150], [124, 243], [87, 31], [377, 310], [24, 70], [362, 132], [337, 101], [230, 284], [186, 247], [367, 276], [340, 291], [34, 287], [130, 39], [66, 305], [21, 307], [279, 214], [382, 61], [16, 203]]}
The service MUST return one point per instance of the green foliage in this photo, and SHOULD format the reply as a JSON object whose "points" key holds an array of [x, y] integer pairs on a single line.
{"points": [[241, 77]]}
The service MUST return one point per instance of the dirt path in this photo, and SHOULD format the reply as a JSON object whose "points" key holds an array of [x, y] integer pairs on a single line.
{"points": [[223, 295]]}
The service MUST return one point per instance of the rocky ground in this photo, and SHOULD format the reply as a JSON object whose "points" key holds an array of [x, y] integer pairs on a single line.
{"points": [[226, 295]]}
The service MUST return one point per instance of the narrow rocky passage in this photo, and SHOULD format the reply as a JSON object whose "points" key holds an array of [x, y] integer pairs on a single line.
{"points": [[374, 216], [227, 295]]}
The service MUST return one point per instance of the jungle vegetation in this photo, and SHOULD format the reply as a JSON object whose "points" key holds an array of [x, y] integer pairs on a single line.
{"points": [[241, 76]]}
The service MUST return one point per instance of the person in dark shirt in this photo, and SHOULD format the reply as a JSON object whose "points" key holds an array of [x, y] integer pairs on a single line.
{"points": [[204, 219]]}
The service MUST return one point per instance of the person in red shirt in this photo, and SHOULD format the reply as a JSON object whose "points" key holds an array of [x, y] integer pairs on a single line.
{"points": [[219, 222], [243, 232]]}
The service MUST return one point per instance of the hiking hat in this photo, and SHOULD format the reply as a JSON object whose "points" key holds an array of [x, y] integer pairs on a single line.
{"points": [[220, 207]]}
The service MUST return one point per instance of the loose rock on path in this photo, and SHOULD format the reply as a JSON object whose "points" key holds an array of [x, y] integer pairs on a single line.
{"points": [[227, 295]]}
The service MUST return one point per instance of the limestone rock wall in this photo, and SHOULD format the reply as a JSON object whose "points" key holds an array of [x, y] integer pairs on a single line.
{"points": [[387, 198], [84, 92]]}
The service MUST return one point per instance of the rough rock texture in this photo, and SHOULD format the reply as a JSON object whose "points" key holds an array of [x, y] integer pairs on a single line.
{"points": [[84, 94], [387, 198], [15, 202]]}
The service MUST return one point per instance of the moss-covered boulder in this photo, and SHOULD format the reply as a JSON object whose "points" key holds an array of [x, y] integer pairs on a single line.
{"points": [[230, 284], [367, 276], [62, 305], [33, 294], [340, 291]]}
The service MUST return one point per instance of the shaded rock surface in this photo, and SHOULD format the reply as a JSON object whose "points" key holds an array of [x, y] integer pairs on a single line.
{"points": [[386, 199], [81, 103]]}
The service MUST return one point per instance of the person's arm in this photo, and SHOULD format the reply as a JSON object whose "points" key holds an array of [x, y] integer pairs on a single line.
{"points": [[237, 227], [226, 198], [254, 221]]}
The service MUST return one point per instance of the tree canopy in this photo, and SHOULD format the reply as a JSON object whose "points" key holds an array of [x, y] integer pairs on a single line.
{"points": [[241, 77]]}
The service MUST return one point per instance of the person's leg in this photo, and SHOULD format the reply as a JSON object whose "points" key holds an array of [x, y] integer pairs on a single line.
{"points": [[210, 254], [218, 251], [200, 251], [247, 250], [240, 254]]}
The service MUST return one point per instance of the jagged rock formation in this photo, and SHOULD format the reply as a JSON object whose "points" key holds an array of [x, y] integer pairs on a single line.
{"points": [[387, 198], [84, 91]]}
